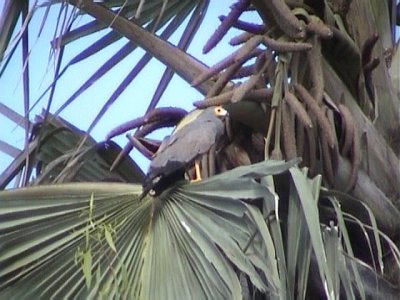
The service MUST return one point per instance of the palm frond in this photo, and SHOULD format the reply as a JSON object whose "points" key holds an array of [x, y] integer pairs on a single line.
{"points": [[99, 239], [92, 239], [60, 152], [12, 10], [65, 222]]}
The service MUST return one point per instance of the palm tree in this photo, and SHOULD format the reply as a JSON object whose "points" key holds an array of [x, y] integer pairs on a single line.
{"points": [[316, 80]]}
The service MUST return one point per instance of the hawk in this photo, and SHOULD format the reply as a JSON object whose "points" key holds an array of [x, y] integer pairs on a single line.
{"points": [[193, 136]]}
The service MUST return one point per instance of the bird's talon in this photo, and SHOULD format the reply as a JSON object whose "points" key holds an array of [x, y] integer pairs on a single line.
{"points": [[195, 180]]}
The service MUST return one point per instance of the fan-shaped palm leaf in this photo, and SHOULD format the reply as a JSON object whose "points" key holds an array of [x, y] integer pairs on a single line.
{"points": [[92, 239]]}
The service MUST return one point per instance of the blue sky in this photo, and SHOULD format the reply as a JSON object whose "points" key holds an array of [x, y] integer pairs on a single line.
{"points": [[131, 104]]}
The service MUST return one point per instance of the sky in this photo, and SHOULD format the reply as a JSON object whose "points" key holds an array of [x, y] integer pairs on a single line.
{"points": [[131, 104]]}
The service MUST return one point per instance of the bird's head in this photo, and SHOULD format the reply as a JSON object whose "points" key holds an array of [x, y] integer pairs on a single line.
{"points": [[220, 112]]}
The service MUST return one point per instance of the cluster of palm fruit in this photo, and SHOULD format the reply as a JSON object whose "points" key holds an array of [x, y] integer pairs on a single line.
{"points": [[281, 109]]}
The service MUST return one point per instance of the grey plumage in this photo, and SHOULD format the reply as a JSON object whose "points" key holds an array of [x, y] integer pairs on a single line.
{"points": [[194, 136]]}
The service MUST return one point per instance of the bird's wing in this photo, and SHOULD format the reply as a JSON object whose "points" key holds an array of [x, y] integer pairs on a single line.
{"points": [[188, 144]]}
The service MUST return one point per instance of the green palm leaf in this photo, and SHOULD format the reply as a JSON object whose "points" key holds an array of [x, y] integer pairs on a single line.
{"points": [[60, 240]]}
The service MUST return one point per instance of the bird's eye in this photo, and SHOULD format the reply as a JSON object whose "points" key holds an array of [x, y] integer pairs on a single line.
{"points": [[218, 110]]}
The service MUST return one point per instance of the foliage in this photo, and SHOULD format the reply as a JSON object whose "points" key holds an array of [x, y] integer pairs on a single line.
{"points": [[314, 79], [126, 247]]}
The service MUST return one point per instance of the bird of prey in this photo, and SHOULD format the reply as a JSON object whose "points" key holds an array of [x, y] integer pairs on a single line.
{"points": [[192, 137]]}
